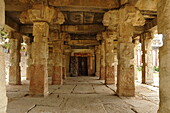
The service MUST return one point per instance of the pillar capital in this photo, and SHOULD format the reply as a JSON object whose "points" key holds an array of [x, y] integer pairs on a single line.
{"points": [[130, 17], [42, 13], [111, 20]]}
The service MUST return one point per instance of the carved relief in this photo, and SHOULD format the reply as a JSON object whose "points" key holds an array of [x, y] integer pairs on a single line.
{"points": [[41, 12], [111, 20]]}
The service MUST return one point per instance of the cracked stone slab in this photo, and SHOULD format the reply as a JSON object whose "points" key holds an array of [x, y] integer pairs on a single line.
{"points": [[64, 89], [84, 89]]}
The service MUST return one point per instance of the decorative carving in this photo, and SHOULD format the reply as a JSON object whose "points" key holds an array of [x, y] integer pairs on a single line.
{"points": [[41, 12], [111, 20], [59, 18]]}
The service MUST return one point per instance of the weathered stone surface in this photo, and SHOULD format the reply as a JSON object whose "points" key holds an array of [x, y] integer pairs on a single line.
{"points": [[164, 28]]}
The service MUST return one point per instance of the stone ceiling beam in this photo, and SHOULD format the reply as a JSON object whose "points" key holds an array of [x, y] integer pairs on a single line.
{"points": [[109, 4], [83, 42], [82, 28], [78, 9], [151, 24], [11, 23], [15, 5]]}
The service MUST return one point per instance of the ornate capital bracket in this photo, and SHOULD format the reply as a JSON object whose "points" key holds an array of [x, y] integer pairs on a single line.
{"points": [[111, 20], [39, 13]]}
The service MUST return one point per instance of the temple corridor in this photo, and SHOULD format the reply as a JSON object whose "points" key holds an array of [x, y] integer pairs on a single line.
{"points": [[82, 95]]}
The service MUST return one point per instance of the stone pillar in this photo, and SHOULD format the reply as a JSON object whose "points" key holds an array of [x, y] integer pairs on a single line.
{"points": [[147, 59], [41, 16], [29, 57], [57, 78], [15, 58], [125, 82], [164, 55], [67, 55], [98, 57], [50, 61], [102, 67], [39, 74], [109, 52], [64, 65], [115, 65], [143, 58], [3, 97], [136, 42]]}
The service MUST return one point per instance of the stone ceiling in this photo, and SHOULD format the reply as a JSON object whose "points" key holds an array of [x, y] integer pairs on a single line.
{"points": [[86, 15]]}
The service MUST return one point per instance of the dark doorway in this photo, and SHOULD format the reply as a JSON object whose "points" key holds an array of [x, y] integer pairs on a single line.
{"points": [[82, 66]]}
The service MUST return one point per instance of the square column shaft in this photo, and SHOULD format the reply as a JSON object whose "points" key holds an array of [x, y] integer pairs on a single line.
{"points": [[98, 63], [109, 52], [102, 67], [147, 59], [39, 74], [15, 58], [57, 78]]}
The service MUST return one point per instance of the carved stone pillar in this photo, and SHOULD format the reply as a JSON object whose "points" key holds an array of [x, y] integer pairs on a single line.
{"points": [[147, 59], [3, 97], [29, 57], [39, 77], [136, 42], [68, 55], [129, 17], [15, 58], [115, 65], [109, 52], [50, 61], [164, 71], [98, 57], [41, 16], [57, 78], [64, 65], [102, 67]]}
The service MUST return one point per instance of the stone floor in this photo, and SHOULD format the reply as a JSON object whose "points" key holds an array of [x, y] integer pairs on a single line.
{"points": [[82, 95]]}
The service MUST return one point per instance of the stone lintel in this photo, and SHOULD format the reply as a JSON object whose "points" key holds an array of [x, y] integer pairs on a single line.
{"points": [[108, 4], [82, 28]]}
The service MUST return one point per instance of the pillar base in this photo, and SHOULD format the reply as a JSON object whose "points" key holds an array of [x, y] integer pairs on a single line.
{"points": [[14, 75], [3, 105], [39, 80], [102, 73], [125, 83], [29, 72], [109, 76]]}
